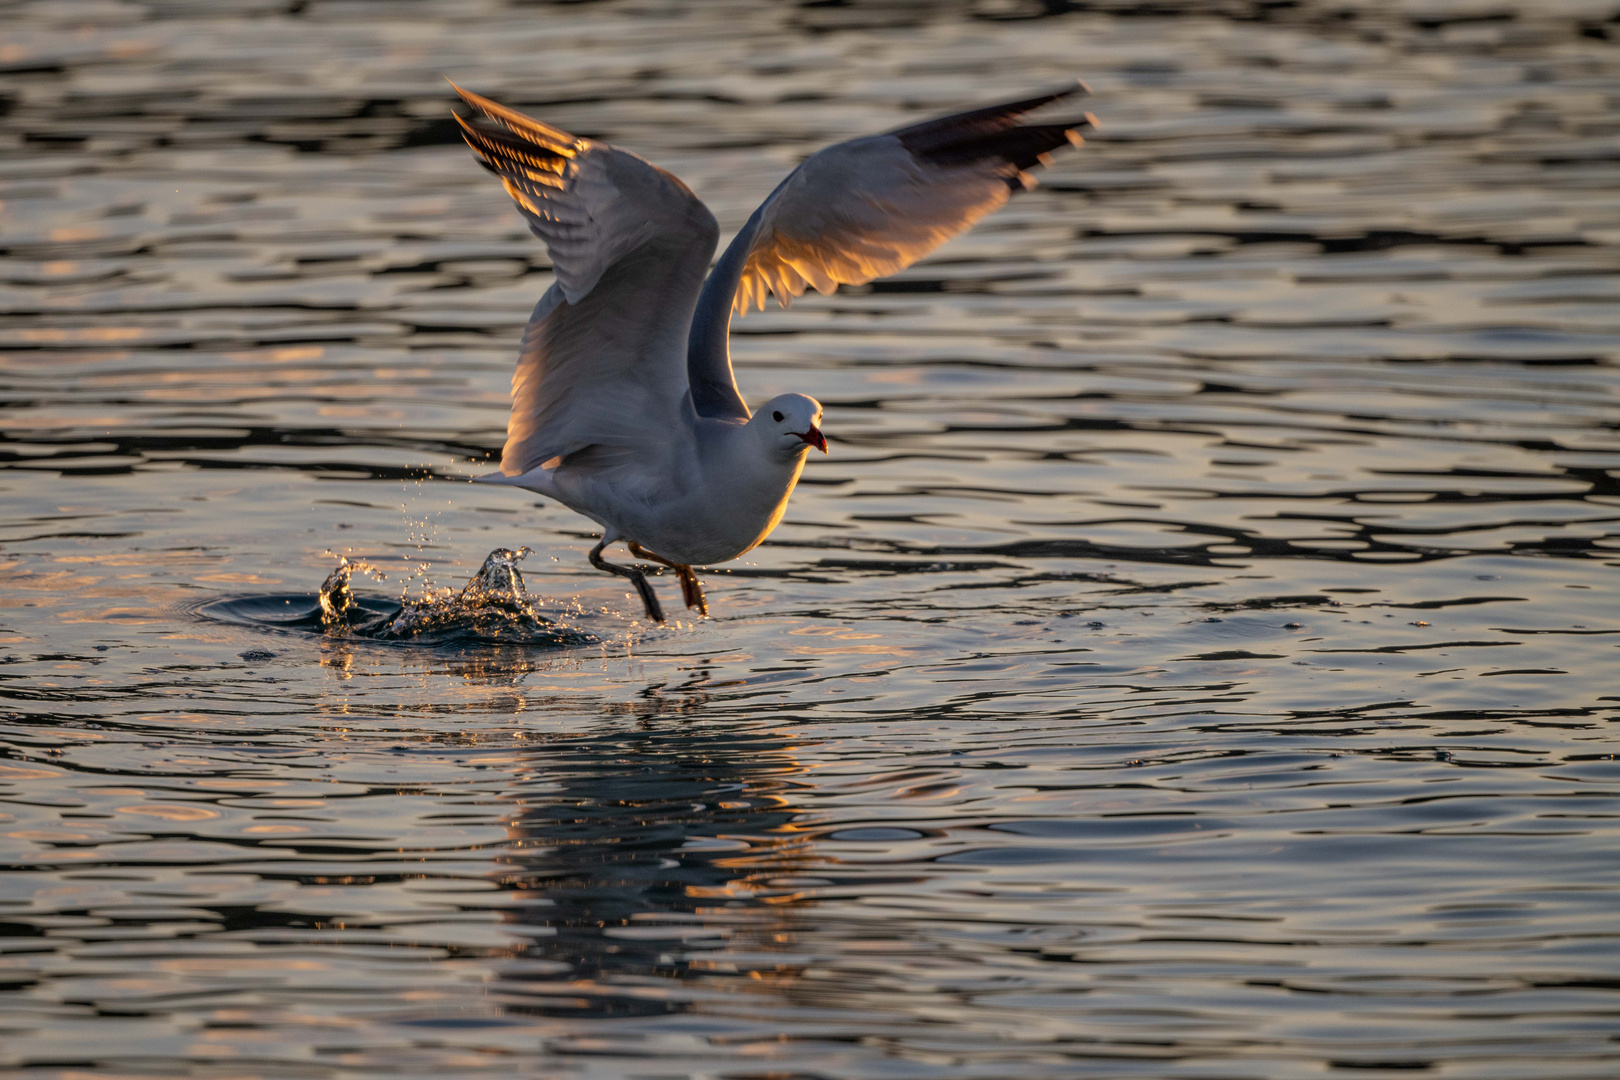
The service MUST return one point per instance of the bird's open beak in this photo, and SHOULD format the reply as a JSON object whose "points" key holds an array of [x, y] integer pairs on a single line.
{"points": [[814, 437]]}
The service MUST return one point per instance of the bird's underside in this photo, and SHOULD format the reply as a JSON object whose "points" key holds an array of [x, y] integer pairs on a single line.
{"points": [[624, 404]]}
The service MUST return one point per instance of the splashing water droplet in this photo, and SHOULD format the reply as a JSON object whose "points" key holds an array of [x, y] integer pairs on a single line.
{"points": [[339, 612], [494, 607]]}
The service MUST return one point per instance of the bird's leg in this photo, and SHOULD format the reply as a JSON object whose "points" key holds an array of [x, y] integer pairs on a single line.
{"points": [[637, 578], [691, 588]]}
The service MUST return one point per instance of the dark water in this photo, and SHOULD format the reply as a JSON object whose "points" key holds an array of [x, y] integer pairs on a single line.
{"points": [[1195, 659]]}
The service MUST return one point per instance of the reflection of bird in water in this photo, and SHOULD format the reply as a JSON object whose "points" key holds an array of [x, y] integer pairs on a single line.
{"points": [[644, 848], [624, 407]]}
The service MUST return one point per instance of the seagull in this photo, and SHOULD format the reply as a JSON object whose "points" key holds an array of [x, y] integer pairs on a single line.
{"points": [[624, 405]]}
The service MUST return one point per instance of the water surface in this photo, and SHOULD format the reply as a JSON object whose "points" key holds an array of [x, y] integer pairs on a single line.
{"points": [[1196, 657]]}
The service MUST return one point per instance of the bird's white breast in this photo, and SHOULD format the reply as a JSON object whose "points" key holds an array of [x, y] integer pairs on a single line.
{"points": [[737, 503], [715, 493]]}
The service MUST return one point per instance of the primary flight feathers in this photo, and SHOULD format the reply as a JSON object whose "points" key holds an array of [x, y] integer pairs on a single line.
{"points": [[851, 213]]}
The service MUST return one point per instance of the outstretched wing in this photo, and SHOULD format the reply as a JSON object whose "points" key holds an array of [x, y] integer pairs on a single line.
{"points": [[871, 207], [864, 209], [601, 362]]}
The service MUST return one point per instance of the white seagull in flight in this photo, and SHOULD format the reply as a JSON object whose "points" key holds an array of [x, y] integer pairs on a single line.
{"points": [[624, 407]]}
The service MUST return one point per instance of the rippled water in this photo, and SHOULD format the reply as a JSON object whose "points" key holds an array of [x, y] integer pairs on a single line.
{"points": [[1196, 657]]}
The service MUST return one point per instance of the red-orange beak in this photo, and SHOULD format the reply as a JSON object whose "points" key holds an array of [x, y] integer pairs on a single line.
{"points": [[814, 437]]}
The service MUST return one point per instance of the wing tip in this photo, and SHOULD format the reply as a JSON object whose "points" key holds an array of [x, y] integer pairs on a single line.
{"points": [[947, 136], [1075, 87], [553, 139], [477, 101]]}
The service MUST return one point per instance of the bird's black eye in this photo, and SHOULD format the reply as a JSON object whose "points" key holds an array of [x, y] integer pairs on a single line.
{"points": [[777, 416]]}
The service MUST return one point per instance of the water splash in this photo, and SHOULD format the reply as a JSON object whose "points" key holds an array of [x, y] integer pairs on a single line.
{"points": [[339, 609], [495, 607]]}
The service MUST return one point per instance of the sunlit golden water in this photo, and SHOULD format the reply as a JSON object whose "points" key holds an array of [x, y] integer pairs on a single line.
{"points": [[1196, 657]]}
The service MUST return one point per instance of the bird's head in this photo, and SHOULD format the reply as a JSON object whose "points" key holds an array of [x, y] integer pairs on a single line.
{"points": [[790, 424]]}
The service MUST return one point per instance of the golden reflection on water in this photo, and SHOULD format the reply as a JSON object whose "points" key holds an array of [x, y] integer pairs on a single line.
{"points": [[712, 884]]}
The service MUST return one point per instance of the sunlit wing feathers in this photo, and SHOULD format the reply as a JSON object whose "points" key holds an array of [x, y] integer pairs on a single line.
{"points": [[590, 202], [603, 357], [870, 207]]}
